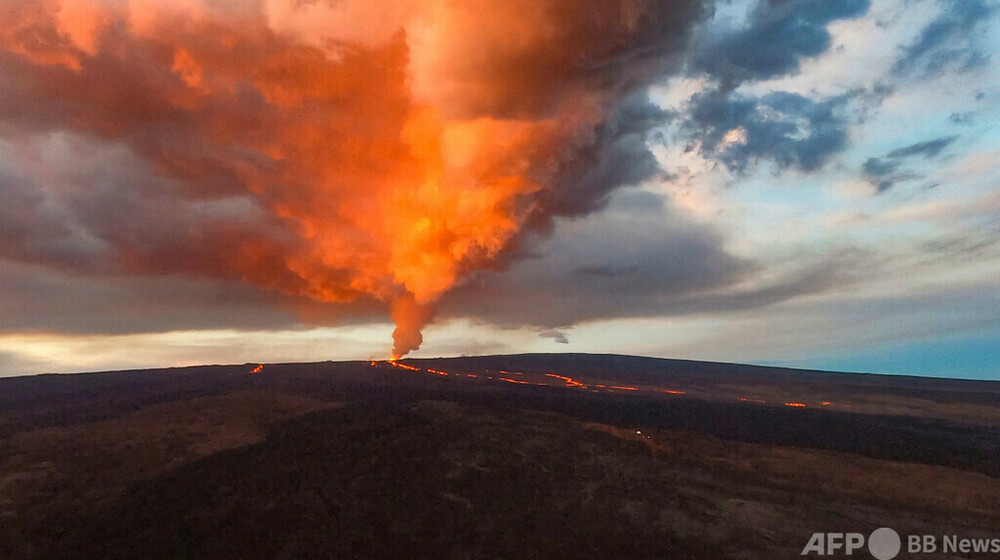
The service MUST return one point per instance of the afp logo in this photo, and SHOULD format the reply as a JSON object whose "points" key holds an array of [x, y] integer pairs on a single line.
{"points": [[883, 544]]}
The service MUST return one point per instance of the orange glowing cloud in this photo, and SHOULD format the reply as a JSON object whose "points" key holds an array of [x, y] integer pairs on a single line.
{"points": [[391, 148]]}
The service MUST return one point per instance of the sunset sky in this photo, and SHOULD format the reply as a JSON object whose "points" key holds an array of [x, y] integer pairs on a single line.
{"points": [[802, 183]]}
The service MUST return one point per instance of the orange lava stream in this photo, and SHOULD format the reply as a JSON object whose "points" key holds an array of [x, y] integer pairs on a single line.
{"points": [[407, 367], [258, 369], [570, 382], [623, 388], [519, 382], [795, 404], [506, 376]]}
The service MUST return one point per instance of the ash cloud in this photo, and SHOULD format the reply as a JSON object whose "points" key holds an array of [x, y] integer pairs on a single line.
{"points": [[281, 153], [42, 299], [281, 144], [625, 263], [619, 156]]}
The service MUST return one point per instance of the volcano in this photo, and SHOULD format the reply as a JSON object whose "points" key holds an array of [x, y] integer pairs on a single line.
{"points": [[523, 456]]}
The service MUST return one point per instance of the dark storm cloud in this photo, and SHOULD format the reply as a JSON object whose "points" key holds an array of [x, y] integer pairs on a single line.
{"points": [[94, 207], [104, 245], [778, 36], [949, 41], [791, 130], [606, 271], [886, 171], [39, 299], [620, 264], [34, 228]]}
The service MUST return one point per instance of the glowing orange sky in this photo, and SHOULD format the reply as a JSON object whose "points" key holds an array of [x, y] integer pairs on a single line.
{"points": [[396, 147]]}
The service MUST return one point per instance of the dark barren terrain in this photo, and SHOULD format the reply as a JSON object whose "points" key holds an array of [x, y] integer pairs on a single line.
{"points": [[530, 456]]}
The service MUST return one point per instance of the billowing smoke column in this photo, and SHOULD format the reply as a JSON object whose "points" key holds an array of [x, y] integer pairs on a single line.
{"points": [[384, 149]]}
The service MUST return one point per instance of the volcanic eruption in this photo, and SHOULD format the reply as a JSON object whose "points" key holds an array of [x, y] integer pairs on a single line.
{"points": [[339, 151]]}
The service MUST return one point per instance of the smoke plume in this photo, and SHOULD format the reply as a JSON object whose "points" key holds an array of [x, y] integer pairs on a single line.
{"points": [[335, 150]]}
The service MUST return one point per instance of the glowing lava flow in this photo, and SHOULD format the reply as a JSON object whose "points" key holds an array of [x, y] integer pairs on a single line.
{"points": [[395, 363], [258, 369], [797, 404], [407, 367], [508, 376], [519, 382], [623, 388], [570, 382]]}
